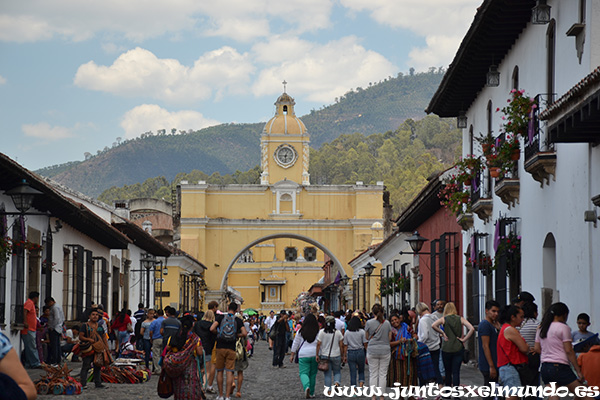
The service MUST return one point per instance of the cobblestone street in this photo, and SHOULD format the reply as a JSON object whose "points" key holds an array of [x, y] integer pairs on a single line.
{"points": [[261, 381]]}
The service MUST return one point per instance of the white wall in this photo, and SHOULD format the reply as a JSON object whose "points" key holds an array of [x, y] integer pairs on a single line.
{"points": [[556, 208]]}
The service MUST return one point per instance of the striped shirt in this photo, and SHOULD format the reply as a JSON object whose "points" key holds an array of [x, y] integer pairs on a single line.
{"points": [[528, 330]]}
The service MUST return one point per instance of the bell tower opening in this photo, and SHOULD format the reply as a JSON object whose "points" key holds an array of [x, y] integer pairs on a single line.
{"points": [[285, 110]]}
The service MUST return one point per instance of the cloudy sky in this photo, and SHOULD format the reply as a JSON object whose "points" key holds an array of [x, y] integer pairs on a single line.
{"points": [[75, 75]]}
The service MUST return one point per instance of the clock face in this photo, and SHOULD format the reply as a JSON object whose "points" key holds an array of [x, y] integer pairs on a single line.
{"points": [[285, 155]]}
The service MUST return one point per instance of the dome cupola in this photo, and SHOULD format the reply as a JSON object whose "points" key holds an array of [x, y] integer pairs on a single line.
{"points": [[285, 121]]}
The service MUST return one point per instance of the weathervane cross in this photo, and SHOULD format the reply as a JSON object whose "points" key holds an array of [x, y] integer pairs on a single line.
{"points": [[284, 86]]}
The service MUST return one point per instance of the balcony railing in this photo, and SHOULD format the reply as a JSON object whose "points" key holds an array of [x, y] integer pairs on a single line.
{"points": [[536, 140], [540, 155]]}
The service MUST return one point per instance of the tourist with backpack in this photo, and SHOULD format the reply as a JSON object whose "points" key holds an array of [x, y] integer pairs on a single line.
{"points": [[228, 328]]}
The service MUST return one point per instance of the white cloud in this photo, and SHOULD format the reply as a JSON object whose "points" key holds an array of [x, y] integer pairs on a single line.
{"points": [[322, 72], [2, 80], [34, 20], [443, 23], [112, 48], [139, 72], [150, 117], [43, 130]]}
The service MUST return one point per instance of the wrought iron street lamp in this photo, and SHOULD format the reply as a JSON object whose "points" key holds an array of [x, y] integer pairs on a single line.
{"points": [[540, 13], [416, 242], [493, 77], [22, 196], [461, 120]]}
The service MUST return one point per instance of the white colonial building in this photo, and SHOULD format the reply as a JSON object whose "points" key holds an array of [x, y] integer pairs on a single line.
{"points": [[551, 198], [69, 247]]}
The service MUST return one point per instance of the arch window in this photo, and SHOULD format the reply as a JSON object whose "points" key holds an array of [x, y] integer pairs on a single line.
{"points": [[285, 109], [515, 78]]}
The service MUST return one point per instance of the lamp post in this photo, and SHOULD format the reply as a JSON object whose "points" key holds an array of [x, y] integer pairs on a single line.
{"points": [[416, 242], [148, 262], [369, 270]]}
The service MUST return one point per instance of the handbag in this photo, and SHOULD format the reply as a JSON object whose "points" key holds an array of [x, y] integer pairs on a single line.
{"points": [[165, 385], [466, 355], [296, 359], [324, 364], [526, 374], [273, 331]]}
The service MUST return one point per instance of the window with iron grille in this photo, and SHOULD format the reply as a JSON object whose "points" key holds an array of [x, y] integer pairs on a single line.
{"points": [[310, 254], [291, 254], [3, 267], [445, 275], [507, 270], [100, 281], [74, 282], [478, 275], [18, 273], [89, 276]]}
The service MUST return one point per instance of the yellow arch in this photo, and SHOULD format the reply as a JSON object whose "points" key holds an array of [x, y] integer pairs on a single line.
{"points": [[280, 236]]}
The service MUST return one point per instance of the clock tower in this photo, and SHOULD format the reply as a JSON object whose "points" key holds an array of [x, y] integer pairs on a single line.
{"points": [[284, 145]]}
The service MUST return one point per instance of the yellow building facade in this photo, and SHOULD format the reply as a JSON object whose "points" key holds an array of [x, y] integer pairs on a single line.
{"points": [[267, 242]]}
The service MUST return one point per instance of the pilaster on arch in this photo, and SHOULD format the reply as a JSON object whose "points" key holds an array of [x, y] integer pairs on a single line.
{"points": [[306, 239]]}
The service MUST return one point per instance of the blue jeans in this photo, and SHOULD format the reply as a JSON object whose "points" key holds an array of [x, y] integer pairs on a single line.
{"points": [[356, 362], [435, 359], [32, 359], [122, 337], [147, 351], [335, 367], [452, 363]]}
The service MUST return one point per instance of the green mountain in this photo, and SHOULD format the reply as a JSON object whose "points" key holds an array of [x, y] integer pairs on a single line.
{"points": [[228, 148]]}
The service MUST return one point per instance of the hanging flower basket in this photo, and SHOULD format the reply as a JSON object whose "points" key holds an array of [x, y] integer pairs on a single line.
{"points": [[5, 250]]}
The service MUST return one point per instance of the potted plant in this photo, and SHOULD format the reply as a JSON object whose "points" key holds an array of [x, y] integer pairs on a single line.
{"points": [[483, 262], [517, 113], [487, 143]]}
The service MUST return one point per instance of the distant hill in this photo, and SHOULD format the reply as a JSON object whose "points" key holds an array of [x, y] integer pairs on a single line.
{"points": [[227, 148]]}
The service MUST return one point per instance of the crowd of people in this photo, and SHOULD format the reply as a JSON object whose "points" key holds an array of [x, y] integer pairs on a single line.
{"points": [[407, 346], [515, 349]]}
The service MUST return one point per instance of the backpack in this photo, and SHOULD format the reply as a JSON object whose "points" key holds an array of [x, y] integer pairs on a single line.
{"points": [[240, 350], [227, 329]]}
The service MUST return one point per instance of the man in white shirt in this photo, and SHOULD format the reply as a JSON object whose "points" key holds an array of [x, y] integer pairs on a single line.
{"points": [[339, 324], [72, 338], [269, 321]]}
